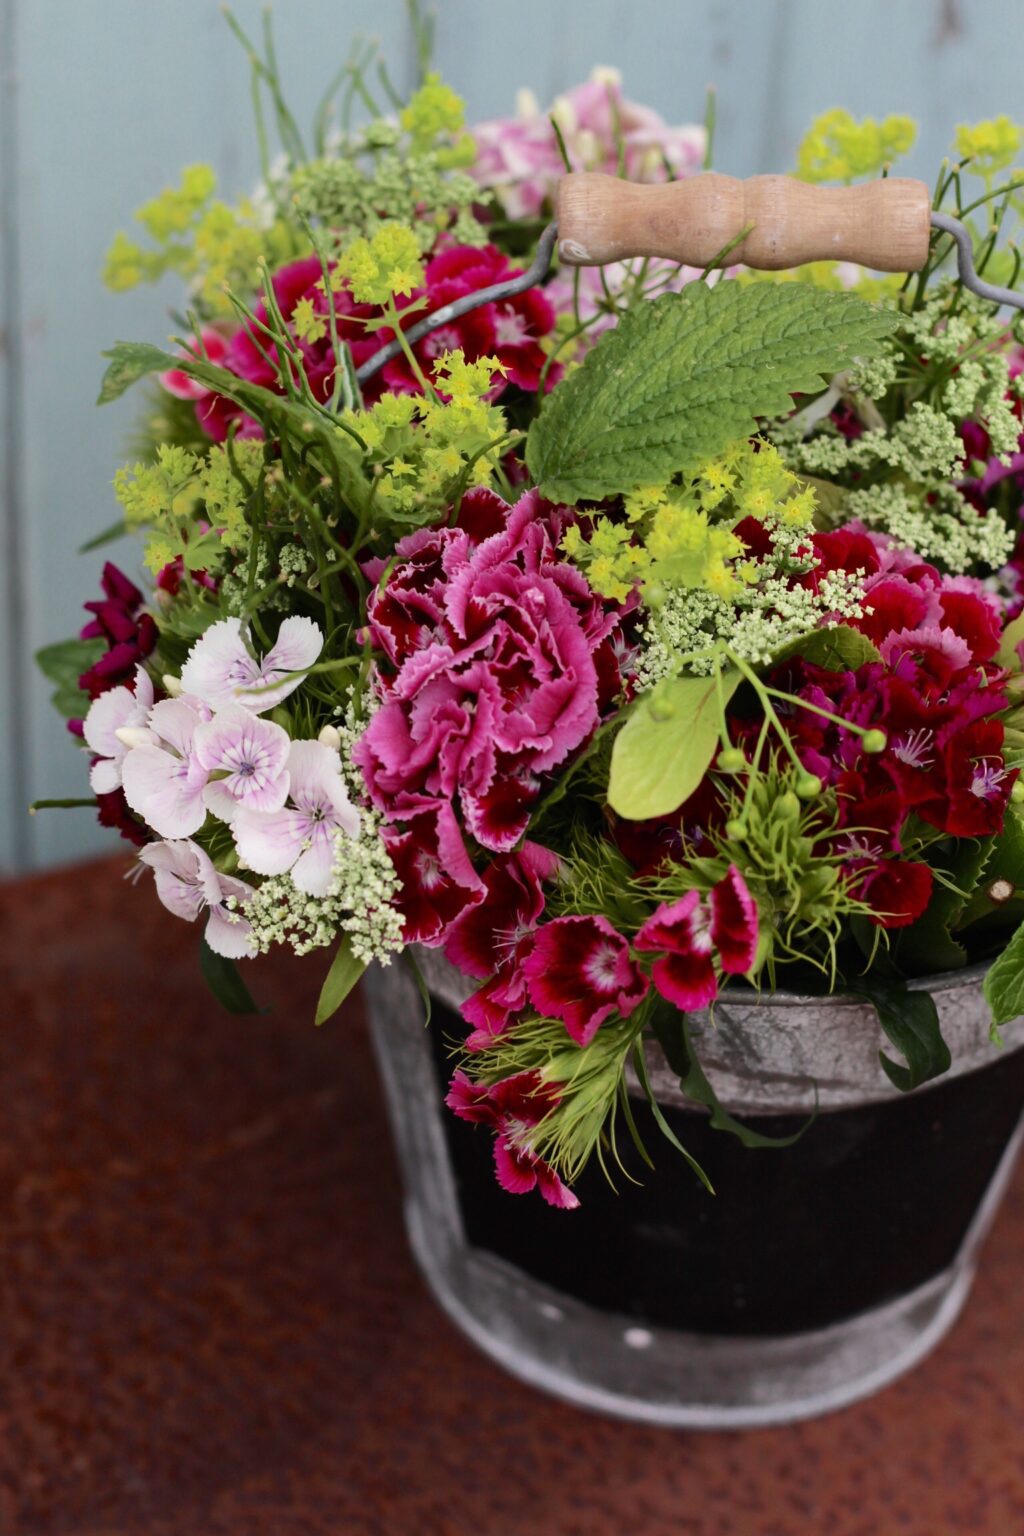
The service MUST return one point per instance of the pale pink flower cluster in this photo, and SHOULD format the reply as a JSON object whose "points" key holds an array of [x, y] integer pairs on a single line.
{"points": [[519, 159], [208, 751]]}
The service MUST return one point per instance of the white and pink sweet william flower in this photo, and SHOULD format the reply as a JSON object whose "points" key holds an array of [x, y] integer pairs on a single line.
{"points": [[188, 884], [222, 670], [164, 782], [301, 837], [119, 709], [248, 757]]}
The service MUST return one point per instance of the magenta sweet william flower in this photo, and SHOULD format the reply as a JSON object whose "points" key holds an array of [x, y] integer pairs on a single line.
{"points": [[437, 880], [493, 937], [905, 595], [211, 346], [698, 936], [511, 1108], [579, 970], [129, 632], [495, 649], [510, 330], [250, 356]]}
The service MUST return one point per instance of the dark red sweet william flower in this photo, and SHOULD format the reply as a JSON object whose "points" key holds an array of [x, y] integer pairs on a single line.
{"points": [[698, 936], [579, 970], [437, 879], [509, 330], [511, 1108], [130, 633], [493, 938]]}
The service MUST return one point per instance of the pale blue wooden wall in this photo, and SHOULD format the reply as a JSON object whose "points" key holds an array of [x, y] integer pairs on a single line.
{"points": [[104, 100]]}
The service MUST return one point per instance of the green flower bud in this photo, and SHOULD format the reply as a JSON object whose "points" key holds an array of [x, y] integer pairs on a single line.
{"points": [[808, 785], [731, 760], [787, 807], [875, 741], [736, 830], [1017, 792]]}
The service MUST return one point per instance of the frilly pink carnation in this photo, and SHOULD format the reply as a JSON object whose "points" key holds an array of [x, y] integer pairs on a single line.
{"points": [[519, 158], [500, 664]]}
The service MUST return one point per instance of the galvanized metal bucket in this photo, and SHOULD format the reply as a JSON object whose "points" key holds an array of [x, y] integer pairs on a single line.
{"points": [[776, 1057]]}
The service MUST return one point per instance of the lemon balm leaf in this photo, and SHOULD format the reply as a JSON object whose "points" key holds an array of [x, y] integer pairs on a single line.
{"points": [[683, 376]]}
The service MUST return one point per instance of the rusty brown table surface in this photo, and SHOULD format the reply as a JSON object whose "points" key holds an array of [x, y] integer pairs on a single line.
{"points": [[210, 1322]]}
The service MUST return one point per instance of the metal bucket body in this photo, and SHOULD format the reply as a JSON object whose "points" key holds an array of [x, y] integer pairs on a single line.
{"points": [[624, 1355]]}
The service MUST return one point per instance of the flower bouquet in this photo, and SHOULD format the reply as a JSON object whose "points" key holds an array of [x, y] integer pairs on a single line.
{"points": [[626, 662]]}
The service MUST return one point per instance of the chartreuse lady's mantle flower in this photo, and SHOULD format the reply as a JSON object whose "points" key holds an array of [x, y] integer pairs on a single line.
{"points": [[221, 668], [301, 837], [375, 270], [188, 883]]}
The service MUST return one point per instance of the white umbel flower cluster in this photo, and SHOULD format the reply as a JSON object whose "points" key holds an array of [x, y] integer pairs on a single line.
{"points": [[948, 530], [359, 903], [364, 884], [756, 624]]}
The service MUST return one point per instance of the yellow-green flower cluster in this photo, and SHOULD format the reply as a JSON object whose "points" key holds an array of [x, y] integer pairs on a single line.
{"points": [[680, 536], [194, 506], [992, 145], [423, 451], [839, 148], [385, 265], [201, 239], [435, 113]]}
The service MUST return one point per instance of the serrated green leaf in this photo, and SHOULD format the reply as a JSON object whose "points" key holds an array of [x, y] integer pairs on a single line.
{"points": [[222, 978], [129, 362], [664, 749], [345, 971], [681, 377], [837, 650], [63, 663], [1004, 982], [911, 1021]]}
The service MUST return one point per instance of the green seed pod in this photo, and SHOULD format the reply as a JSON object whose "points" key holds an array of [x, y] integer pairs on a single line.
{"points": [[808, 785], [1017, 792], [817, 884], [730, 760], [875, 741], [787, 807], [736, 830]]}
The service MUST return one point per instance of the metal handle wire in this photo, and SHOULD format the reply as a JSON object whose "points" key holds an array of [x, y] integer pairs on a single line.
{"points": [[536, 272]]}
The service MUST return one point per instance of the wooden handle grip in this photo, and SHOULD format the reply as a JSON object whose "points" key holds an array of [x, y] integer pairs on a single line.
{"points": [[881, 224]]}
